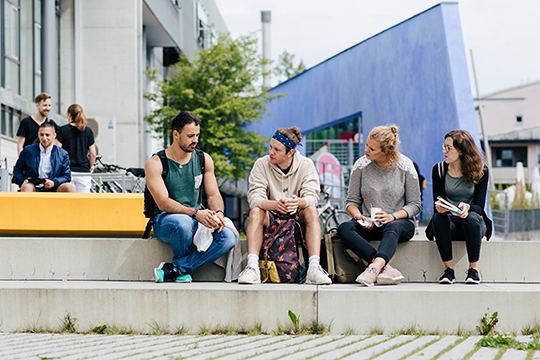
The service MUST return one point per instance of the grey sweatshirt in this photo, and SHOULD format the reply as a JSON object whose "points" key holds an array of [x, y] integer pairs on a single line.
{"points": [[391, 189]]}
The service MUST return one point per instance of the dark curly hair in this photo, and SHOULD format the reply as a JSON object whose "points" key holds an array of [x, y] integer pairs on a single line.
{"points": [[470, 157]]}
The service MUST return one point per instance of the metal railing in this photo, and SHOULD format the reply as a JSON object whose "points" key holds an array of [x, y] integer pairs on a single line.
{"points": [[501, 217], [4, 174]]}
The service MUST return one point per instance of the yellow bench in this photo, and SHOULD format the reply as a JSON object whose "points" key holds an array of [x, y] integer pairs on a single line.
{"points": [[71, 214]]}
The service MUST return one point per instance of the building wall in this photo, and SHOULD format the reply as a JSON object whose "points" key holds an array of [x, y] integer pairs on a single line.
{"points": [[500, 116], [105, 47], [413, 75]]}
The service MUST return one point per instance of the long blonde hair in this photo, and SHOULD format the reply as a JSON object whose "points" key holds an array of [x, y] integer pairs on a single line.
{"points": [[77, 116], [388, 138]]}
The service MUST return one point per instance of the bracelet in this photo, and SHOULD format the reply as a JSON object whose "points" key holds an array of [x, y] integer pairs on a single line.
{"points": [[220, 211], [394, 216], [356, 215], [194, 215]]}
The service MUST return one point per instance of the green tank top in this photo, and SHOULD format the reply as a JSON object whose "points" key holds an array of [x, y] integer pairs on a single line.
{"points": [[184, 182]]}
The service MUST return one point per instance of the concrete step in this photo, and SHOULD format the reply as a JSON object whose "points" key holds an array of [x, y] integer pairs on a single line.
{"points": [[55, 346], [145, 306], [133, 259]]}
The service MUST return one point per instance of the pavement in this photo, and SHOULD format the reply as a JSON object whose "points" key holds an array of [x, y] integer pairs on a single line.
{"points": [[74, 346]]}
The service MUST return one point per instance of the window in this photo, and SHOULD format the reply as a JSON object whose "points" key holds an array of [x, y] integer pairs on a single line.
{"points": [[10, 120], [519, 119], [509, 157], [11, 39]]}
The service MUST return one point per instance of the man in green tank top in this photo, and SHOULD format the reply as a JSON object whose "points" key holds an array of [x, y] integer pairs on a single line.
{"points": [[178, 200]]}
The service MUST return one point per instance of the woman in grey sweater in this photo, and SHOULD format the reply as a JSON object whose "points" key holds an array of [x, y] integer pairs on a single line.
{"points": [[387, 180]]}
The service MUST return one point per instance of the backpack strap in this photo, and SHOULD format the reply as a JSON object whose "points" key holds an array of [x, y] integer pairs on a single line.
{"points": [[440, 168], [200, 154], [165, 166]]}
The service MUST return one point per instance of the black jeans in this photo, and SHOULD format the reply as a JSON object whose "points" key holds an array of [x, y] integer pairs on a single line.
{"points": [[447, 228], [357, 238]]}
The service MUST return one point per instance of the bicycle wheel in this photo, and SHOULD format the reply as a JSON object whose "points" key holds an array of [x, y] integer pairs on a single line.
{"points": [[337, 218]]}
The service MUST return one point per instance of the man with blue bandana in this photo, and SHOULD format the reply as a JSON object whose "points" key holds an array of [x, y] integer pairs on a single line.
{"points": [[284, 182]]}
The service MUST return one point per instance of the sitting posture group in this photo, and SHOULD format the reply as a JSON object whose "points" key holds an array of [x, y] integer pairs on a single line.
{"points": [[48, 154], [383, 200]]}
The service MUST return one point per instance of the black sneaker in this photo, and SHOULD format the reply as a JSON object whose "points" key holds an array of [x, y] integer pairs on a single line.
{"points": [[165, 272], [472, 277], [448, 277]]}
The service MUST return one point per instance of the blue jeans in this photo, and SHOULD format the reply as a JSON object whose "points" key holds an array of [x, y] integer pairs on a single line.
{"points": [[357, 238], [178, 230]]}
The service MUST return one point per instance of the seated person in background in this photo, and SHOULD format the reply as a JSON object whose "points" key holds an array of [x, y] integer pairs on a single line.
{"points": [[46, 161], [284, 182]]}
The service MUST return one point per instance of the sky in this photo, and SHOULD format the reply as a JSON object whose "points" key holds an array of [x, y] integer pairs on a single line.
{"points": [[504, 35]]}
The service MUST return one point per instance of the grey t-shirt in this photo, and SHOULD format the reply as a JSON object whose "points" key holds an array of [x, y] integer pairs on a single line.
{"points": [[458, 190], [392, 189]]}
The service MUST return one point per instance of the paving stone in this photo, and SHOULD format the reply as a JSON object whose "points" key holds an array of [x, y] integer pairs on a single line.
{"points": [[485, 353], [459, 351], [101, 348], [434, 349], [513, 354], [324, 348], [233, 341], [284, 341], [308, 344], [161, 350], [354, 347], [379, 348], [245, 350], [407, 348]]}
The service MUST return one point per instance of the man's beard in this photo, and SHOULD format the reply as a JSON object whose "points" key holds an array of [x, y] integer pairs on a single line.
{"points": [[187, 148], [42, 113]]}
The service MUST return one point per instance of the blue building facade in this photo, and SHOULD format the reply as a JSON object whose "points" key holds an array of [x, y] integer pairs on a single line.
{"points": [[413, 75]]}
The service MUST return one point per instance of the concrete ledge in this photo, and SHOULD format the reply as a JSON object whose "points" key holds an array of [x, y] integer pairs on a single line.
{"points": [[133, 259], [49, 258], [500, 261], [71, 214], [140, 306]]}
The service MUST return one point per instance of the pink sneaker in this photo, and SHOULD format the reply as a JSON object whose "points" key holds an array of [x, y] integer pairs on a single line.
{"points": [[369, 276], [389, 276]]}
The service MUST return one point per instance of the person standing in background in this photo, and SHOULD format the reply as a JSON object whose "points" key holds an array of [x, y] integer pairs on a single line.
{"points": [[28, 128], [78, 140]]}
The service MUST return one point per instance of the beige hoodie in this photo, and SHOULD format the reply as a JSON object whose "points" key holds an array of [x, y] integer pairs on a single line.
{"points": [[268, 182]]}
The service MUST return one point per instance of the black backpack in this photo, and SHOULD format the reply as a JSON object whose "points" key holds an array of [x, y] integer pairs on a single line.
{"points": [[149, 203]]}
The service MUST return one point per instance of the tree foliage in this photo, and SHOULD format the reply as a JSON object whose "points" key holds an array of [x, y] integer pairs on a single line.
{"points": [[217, 85], [285, 67]]}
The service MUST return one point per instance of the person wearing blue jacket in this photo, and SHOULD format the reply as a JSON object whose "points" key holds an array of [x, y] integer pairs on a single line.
{"points": [[44, 166]]}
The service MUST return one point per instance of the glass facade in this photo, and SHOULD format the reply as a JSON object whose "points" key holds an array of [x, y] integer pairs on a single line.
{"points": [[336, 137], [21, 56]]}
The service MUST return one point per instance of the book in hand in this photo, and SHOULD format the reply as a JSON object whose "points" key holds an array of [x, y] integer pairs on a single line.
{"points": [[37, 181], [447, 205]]}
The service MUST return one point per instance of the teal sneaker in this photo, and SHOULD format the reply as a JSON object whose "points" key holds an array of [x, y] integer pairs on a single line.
{"points": [[184, 278], [165, 272], [159, 275]]}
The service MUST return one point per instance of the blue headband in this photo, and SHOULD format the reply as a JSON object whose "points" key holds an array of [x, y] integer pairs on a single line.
{"points": [[282, 139]]}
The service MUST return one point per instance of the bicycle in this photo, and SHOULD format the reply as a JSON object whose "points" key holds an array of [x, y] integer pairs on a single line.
{"points": [[112, 185], [330, 217]]}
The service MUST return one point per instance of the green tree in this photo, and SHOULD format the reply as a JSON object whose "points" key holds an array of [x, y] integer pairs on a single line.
{"points": [[285, 67], [217, 85]]}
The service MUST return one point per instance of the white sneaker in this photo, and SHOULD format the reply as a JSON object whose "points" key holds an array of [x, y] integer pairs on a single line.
{"points": [[249, 276], [317, 276]]}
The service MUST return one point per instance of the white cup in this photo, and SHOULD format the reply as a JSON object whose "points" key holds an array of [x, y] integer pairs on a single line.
{"points": [[374, 211]]}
